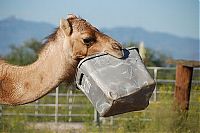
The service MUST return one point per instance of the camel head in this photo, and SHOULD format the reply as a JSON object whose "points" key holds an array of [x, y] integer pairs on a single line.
{"points": [[84, 40]]}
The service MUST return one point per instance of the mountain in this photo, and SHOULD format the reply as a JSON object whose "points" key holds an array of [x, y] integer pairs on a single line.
{"points": [[171, 45], [16, 31]]}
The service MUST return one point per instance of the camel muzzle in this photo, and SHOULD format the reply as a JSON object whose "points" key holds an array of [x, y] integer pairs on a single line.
{"points": [[115, 86]]}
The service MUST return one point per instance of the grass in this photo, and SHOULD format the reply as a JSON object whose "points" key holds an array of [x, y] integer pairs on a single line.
{"points": [[158, 117]]}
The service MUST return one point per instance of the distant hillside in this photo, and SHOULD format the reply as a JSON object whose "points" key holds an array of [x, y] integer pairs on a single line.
{"points": [[15, 31], [177, 47]]}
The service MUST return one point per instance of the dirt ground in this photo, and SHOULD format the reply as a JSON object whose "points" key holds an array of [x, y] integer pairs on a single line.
{"points": [[57, 127]]}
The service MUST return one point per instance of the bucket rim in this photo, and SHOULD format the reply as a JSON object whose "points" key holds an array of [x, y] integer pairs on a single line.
{"points": [[101, 54]]}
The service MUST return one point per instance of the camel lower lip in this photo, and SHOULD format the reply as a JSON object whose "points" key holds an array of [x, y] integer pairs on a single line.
{"points": [[115, 55]]}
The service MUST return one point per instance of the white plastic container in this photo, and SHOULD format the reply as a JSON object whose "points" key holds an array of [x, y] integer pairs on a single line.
{"points": [[115, 86]]}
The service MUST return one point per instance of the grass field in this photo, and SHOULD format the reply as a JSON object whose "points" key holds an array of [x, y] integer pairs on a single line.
{"points": [[158, 117]]}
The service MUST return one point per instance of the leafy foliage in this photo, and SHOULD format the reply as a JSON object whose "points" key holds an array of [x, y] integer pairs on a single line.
{"points": [[153, 58], [25, 53]]}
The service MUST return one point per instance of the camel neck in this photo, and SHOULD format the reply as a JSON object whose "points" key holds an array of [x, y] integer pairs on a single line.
{"points": [[29, 83]]}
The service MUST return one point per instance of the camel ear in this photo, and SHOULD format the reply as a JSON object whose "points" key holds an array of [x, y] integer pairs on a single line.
{"points": [[65, 26], [71, 16]]}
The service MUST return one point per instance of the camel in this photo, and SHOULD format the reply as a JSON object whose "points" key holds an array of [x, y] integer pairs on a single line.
{"points": [[73, 40]]}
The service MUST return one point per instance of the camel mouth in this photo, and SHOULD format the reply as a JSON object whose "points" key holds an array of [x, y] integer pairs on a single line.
{"points": [[117, 54]]}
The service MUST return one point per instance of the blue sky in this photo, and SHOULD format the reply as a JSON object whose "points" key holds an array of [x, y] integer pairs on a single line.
{"points": [[178, 17]]}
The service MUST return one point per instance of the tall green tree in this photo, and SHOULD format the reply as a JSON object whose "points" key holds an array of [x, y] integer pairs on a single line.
{"points": [[153, 58], [25, 53]]}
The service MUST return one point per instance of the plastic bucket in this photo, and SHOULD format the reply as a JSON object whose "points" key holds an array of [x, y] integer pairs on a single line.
{"points": [[115, 86]]}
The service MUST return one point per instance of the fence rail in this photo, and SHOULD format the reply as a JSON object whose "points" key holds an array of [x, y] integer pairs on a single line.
{"points": [[70, 104]]}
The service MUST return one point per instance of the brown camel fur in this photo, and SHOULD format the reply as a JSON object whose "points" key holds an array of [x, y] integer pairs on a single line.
{"points": [[73, 40]]}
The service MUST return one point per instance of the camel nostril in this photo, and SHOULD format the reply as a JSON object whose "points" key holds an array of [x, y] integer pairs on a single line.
{"points": [[116, 46]]}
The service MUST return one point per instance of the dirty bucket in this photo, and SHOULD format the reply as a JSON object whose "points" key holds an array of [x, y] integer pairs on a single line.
{"points": [[115, 86]]}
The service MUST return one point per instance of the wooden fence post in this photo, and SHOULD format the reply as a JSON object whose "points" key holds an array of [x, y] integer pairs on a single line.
{"points": [[184, 71], [183, 86]]}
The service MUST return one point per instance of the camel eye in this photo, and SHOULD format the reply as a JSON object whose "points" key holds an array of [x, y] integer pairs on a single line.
{"points": [[88, 41]]}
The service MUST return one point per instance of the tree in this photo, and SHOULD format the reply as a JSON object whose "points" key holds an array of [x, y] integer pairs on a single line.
{"points": [[153, 58], [25, 53]]}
